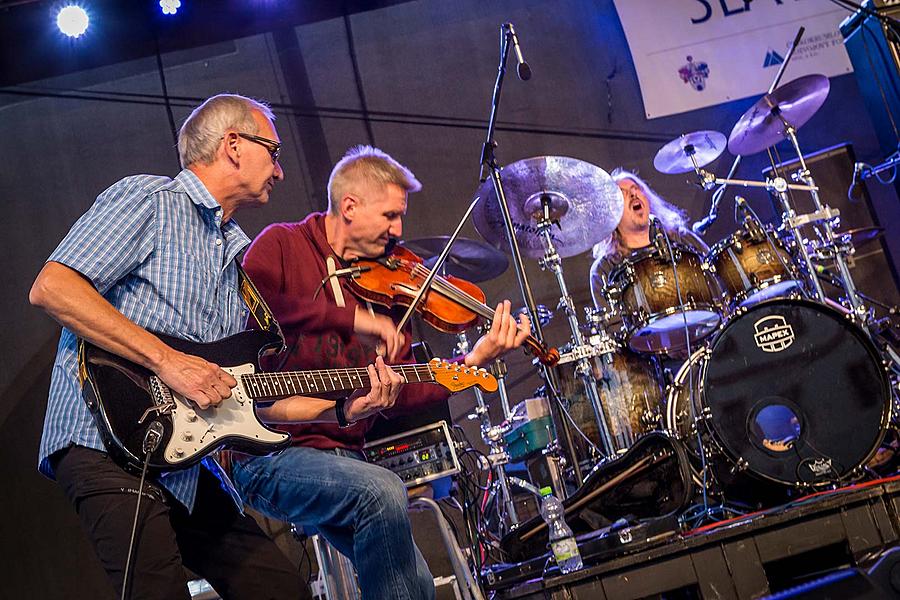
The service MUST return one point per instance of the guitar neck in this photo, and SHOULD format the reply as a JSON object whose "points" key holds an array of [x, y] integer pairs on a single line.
{"points": [[263, 386]]}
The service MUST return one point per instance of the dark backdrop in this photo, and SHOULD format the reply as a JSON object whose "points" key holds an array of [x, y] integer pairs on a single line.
{"points": [[413, 78]]}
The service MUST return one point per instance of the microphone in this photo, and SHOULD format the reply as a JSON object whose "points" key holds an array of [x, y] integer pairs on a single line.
{"points": [[522, 69], [657, 235], [703, 224], [860, 173]]}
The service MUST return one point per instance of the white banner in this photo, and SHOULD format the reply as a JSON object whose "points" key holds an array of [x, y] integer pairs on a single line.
{"points": [[695, 53]]}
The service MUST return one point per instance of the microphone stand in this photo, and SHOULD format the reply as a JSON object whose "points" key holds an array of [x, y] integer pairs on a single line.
{"points": [[489, 165]]}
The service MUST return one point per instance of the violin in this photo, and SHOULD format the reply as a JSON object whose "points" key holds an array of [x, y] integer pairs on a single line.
{"points": [[452, 305]]}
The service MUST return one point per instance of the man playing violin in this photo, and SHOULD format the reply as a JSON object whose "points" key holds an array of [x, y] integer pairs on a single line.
{"points": [[302, 271]]}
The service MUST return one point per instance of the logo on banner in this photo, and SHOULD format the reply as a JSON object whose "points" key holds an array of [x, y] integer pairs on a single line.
{"points": [[772, 59], [773, 333], [694, 73]]}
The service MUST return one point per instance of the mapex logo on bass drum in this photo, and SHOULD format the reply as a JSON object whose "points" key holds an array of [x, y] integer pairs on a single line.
{"points": [[773, 333]]}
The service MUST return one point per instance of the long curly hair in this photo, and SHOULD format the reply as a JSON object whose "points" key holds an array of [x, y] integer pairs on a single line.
{"points": [[673, 218]]}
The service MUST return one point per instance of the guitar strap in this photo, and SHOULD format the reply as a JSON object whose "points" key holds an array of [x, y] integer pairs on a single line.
{"points": [[259, 310]]}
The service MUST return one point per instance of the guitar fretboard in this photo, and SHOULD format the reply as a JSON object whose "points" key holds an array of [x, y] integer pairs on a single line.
{"points": [[261, 386]]}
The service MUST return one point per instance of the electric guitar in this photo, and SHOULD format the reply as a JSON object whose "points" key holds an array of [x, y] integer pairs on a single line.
{"points": [[137, 413]]}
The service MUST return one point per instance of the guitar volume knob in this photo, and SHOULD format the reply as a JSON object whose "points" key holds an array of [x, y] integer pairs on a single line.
{"points": [[190, 416], [187, 436]]}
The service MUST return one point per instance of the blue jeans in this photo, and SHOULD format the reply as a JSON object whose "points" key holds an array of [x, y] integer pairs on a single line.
{"points": [[359, 508]]}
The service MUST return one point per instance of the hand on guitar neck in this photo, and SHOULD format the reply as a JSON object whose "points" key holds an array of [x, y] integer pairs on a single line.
{"points": [[386, 386]]}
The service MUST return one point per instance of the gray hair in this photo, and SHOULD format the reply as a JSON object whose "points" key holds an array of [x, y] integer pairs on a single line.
{"points": [[366, 164], [673, 218], [202, 131]]}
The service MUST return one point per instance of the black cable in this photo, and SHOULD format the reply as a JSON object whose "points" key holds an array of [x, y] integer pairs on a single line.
{"points": [[349, 114], [151, 442], [357, 78], [165, 92], [442, 506]]}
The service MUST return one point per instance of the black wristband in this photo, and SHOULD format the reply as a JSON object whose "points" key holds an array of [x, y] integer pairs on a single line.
{"points": [[339, 412]]}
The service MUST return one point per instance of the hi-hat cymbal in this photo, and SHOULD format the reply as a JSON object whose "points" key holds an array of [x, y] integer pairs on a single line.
{"points": [[583, 199], [469, 259], [675, 157], [763, 125]]}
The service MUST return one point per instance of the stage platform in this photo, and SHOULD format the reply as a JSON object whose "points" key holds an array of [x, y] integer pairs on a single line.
{"points": [[748, 557]]}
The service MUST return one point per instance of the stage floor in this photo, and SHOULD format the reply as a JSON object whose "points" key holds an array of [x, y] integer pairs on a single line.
{"points": [[747, 557]]}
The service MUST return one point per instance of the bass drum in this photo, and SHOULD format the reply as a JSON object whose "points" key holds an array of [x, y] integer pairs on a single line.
{"points": [[789, 391]]}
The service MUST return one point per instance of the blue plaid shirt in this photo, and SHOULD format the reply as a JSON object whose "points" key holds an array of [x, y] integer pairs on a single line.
{"points": [[157, 250]]}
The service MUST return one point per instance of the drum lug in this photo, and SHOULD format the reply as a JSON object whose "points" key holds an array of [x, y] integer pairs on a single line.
{"points": [[740, 466]]}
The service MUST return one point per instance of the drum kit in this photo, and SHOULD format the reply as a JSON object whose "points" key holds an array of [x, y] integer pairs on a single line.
{"points": [[778, 382]]}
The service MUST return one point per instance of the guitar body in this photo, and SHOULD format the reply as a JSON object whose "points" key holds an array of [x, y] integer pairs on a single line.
{"points": [[125, 398]]}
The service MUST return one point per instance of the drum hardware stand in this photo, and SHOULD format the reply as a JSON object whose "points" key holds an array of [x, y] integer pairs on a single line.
{"points": [[552, 262], [779, 186], [804, 176], [492, 435], [489, 164]]}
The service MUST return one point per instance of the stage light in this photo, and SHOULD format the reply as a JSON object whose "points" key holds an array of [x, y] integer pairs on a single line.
{"points": [[72, 20], [169, 7]]}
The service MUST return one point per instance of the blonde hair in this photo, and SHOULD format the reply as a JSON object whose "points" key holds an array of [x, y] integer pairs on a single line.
{"points": [[199, 137], [366, 164], [673, 218]]}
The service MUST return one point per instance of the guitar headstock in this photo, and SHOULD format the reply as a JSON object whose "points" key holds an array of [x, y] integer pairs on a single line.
{"points": [[458, 377]]}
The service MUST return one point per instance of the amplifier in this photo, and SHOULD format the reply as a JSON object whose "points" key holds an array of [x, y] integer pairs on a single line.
{"points": [[417, 456]]}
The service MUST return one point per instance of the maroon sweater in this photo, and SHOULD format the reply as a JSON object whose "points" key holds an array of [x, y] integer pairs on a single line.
{"points": [[287, 263]]}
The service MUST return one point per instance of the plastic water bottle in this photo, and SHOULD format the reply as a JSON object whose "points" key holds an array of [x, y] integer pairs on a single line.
{"points": [[562, 540]]}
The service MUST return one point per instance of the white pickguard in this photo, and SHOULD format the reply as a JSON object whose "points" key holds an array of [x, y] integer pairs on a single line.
{"points": [[195, 430]]}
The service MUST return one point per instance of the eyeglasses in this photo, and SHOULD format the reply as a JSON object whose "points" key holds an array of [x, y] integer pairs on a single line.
{"points": [[272, 146]]}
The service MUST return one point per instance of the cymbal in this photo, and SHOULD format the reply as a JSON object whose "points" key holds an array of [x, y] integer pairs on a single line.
{"points": [[584, 200], [763, 125], [469, 259], [675, 157]]}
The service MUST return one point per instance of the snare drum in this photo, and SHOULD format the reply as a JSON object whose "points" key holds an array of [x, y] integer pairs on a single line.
{"points": [[658, 309], [754, 267]]}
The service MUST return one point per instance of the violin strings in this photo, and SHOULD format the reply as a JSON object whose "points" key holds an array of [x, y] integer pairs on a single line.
{"points": [[454, 293]]}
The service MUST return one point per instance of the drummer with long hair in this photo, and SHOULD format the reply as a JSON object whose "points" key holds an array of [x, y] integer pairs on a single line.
{"points": [[633, 231]]}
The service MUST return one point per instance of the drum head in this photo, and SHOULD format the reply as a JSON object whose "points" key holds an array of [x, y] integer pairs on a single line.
{"points": [[775, 290], [796, 393]]}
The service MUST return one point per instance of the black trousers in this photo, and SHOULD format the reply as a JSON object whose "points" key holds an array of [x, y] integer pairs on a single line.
{"points": [[215, 541]]}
